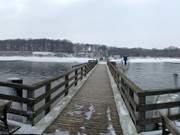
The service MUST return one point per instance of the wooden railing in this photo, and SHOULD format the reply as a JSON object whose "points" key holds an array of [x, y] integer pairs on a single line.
{"points": [[42, 95], [168, 126], [136, 100]]}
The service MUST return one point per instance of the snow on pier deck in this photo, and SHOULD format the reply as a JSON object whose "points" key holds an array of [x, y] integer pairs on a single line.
{"points": [[92, 111]]}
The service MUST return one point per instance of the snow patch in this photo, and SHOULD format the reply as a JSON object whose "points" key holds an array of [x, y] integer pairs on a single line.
{"points": [[121, 109], [75, 113], [126, 122], [90, 112], [110, 127], [177, 123], [111, 130], [83, 128], [78, 106], [81, 133], [48, 118], [108, 114], [58, 132], [77, 110]]}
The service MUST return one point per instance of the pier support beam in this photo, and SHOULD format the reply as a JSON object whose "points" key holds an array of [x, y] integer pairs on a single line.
{"points": [[142, 115]]}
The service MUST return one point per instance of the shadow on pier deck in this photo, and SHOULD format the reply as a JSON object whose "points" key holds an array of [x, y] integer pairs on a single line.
{"points": [[92, 111]]}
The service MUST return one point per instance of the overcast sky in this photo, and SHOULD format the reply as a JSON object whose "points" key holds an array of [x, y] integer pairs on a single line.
{"points": [[122, 23]]}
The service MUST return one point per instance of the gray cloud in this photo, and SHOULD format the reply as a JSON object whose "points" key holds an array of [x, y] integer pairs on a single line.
{"points": [[127, 23]]}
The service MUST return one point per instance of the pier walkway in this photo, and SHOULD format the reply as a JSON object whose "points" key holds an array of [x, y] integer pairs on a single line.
{"points": [[92, 111]]}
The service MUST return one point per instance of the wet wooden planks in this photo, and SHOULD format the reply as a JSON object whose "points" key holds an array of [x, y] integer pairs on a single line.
{"points": [[92, 111]]}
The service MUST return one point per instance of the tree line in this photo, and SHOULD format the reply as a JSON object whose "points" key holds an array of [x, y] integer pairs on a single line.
{"points": [[137, 52], [66, 46]]}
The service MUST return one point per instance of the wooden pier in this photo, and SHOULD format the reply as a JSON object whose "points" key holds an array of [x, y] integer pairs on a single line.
{"points": [[92, 111]]}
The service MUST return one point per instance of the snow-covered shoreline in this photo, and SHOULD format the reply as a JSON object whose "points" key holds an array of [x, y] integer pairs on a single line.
{"points": [[82, 60], [44, 59], [149, 60]]}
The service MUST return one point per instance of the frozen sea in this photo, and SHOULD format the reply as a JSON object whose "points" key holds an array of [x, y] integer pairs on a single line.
{"points": [[33, 69], [153, 73]]}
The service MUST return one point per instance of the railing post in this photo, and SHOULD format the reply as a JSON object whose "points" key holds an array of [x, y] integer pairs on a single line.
{"points": [[85, 70], [141, 114], [76, 77], [19, 92], [67, 83], [30, 107], [163, 126], [81, 73], [92, 65], [48, 98]]}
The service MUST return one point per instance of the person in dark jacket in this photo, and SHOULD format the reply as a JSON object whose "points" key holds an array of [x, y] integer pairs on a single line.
{"points": [[125, 59]]}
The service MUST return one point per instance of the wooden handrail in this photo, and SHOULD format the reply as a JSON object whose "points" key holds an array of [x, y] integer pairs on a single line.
{"points": [[77, 65], [70, 78], [168, 124], [159, 91], [16, 86], [42, 83], [128, 81], [138, 107]]}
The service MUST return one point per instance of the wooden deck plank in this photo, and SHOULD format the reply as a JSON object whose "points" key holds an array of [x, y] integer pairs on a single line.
{"points": [[92, 111]]}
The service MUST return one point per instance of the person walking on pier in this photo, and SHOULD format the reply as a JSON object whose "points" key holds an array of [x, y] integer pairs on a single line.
{"points": [[125, 59]]}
